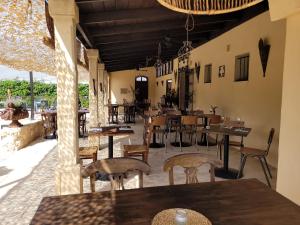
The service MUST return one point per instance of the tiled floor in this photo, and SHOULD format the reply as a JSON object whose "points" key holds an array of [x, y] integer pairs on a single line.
{"points": [[20, 204]]}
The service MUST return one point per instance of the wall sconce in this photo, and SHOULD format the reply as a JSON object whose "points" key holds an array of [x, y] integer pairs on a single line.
{"points": [[101, 87], [162, 83], [156, 83], [175, 76]]}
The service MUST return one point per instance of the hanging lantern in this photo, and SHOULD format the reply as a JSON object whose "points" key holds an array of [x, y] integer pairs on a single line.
{"points": [[207, 7]]}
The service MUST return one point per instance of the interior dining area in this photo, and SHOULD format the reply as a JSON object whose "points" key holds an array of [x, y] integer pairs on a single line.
{"points": [[192, 117]]}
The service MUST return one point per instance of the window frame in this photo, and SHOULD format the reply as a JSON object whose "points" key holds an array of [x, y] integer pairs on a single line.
{"points": [[241, 63], [206, 74]]}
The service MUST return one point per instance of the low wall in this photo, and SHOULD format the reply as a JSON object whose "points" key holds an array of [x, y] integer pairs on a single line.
{"points": [[13, 139]]}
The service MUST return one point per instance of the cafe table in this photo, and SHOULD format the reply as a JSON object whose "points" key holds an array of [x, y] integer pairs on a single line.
{"points": [[225, 171], [232, 202], [110, 132]]}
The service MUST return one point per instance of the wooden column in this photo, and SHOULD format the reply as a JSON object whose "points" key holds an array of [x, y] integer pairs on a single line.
{"points": [[65, 16]]}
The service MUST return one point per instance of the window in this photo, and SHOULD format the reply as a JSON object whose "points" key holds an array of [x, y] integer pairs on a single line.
{"points": [[207, 73], [241, 68]]}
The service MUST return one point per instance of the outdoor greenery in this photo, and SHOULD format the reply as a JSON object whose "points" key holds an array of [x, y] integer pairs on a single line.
{"points": [[42, 91]]}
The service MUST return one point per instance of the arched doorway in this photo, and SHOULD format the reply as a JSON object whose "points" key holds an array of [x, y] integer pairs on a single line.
{"points": [[141, 88]]}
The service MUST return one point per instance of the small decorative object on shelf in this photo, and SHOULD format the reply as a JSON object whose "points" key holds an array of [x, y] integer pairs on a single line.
{"points": [[264, 50], [14, 112], [213, 109]]}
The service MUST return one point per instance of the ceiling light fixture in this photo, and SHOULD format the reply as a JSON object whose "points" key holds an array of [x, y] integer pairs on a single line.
{"points": [[207, 7]]}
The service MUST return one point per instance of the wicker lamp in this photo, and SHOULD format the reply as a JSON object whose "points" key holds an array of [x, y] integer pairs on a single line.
{"points": [[207, 7]]}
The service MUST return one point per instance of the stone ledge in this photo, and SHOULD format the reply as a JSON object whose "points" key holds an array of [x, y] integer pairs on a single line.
{"points": [[13, 139]]}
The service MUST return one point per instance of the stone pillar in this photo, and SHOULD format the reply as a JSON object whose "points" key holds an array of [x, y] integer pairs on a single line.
{"points": [[288, 179], [93, 56], [65, 16], [101, 112]]}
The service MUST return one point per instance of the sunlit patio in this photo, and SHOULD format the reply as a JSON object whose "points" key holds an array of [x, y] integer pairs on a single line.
{"points": [[161, 112]]}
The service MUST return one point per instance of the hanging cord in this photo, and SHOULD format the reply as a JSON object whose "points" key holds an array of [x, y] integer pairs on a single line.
{"points": [[189, 26]]}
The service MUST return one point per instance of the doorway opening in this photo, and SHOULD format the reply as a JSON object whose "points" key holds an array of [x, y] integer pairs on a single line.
{"points": [[141, 88]]}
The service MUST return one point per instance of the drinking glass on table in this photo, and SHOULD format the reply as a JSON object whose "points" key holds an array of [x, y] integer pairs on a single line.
{"points": [[181, 217]]}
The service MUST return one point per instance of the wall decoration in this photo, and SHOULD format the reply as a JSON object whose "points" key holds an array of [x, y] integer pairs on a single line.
{"points": [[222, 71], [162, 83], [156, 83], [197, 69], [101, 87], [175, 76], [264, 49], [94, 86], [124, 90]]}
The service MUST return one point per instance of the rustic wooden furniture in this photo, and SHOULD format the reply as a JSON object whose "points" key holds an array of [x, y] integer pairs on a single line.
{"points": [[231, 123], [129, 113], [227, 172], [49, 119], [189, 127], [141, 149], [233, 202], [158, 126], [113, 113], [88, 153], [260, 154], [117, 170], [110, 131], [208, 119], [190, 162]]}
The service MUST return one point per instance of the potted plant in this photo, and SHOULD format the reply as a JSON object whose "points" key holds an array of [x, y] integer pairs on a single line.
{"points": [[14, 111]]}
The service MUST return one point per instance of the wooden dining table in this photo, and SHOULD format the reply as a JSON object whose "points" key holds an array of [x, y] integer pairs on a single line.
{"points": [[233, 202], [110, 132], [225, 171]]}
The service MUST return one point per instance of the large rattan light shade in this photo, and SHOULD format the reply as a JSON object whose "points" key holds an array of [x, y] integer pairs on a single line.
{"points": [[207, 7]]}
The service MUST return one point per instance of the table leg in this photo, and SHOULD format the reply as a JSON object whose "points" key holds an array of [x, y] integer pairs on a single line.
{"points": [[110, 147], [203, 139], [226, 172], [154, 144]]}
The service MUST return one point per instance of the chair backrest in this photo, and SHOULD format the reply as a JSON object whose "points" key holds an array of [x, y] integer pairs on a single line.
{"points": [[158, 121], [190, 162], [215, 119], [189, 120], [116, 168], [270, 139]]}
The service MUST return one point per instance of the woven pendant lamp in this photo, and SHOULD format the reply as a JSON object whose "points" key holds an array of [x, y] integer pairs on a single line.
{"points": [[207, 7]]}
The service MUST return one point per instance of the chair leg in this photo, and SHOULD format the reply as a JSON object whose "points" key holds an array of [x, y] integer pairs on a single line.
{"points": [[269, 171], [242, 166], [263, 167], [180, 141]]}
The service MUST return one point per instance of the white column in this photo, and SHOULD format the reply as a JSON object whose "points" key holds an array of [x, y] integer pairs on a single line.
{"points": [[93, 55], [65, 16], [288, 179], [101, 112]]}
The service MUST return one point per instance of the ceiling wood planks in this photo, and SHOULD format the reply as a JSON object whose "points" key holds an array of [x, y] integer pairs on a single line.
{"points": [[128, 31]]}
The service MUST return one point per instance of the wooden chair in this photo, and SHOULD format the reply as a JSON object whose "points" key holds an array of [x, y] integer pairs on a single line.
{"points": [[190, 162], [139, 150], [158, 126], [117, 169], [88, 153], [260, 154], [49, 124], [213, 120], [189, 126]]}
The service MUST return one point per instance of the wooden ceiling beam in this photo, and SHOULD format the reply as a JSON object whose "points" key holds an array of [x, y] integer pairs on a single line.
{"points": [[167, 26], [174, 36], [129, 16]]}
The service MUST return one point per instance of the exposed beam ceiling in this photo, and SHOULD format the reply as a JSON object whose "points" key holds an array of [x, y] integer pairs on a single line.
{"points": [[128, 31]]}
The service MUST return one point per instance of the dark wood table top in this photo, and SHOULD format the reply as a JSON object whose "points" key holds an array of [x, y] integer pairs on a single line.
{"points": [[233, 131], [110, 131], [235, 202]]}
